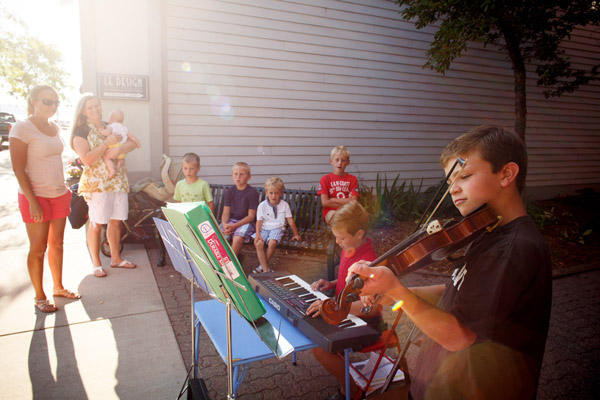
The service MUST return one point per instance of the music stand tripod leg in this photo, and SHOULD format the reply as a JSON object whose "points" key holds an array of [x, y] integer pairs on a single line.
{"points": [[230, 392]]}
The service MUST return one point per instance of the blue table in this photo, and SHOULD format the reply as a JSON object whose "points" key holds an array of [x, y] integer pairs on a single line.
{"points": [[247, 347]]}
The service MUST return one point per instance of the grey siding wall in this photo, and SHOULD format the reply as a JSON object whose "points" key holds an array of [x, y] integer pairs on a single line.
{"points": [[279, 83]]}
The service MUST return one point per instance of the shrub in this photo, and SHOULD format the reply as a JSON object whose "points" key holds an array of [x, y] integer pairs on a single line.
{"points": [[389, 202]]}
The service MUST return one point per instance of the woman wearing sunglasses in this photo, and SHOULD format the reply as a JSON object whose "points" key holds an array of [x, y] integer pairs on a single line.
{"points": [[44, 200]]}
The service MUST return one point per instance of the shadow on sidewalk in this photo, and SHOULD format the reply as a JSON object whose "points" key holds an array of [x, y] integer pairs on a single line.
{"points": [[44, 384]]}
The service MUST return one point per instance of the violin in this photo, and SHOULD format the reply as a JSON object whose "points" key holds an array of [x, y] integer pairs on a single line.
{"points": [[422, 248], [417, 251]]}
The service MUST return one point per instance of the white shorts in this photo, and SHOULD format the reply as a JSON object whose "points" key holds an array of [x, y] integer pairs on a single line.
{"points": [[271, 234], [105, 206]]}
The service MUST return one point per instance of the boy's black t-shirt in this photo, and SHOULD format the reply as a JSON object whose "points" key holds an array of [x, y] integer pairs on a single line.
{"points": [[504, 294], [241, 201]]}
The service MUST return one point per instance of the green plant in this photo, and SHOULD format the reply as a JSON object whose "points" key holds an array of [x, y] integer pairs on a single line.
{"points": [[575, 235], [368, 200], [389, 201], [407, 200], [540, 216]]}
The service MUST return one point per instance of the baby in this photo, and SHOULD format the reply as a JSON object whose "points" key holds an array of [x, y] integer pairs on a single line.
{"points": [[115, 126]]}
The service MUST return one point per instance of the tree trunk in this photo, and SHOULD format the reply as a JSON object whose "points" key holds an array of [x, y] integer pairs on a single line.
{"points": [[520, 98], [520, 74]]}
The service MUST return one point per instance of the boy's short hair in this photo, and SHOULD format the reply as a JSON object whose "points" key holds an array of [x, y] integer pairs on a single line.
{"points": [[350, 217], [242, 164], [343, 150], [191, 157], [495, 144], [275, 181]]}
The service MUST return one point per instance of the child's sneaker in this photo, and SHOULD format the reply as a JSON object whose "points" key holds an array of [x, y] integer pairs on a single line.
{"points": [[258, 270]]}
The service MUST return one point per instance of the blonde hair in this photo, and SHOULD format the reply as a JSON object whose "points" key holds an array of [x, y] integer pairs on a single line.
{"points": [[117, 115], [80, 119], [343, 150], [275, 182], [242, 164], [350, 217], [34, 94], [191, 157]]}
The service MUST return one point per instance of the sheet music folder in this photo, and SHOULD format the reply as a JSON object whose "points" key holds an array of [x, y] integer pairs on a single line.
{"points": [[198, 229]]}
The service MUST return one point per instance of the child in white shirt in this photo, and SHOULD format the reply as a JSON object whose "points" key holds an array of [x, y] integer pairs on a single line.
{"points": [[115, 126], [271, 216]]}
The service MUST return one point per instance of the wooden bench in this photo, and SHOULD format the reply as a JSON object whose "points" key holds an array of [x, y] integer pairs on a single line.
{"points": [[308, 216]]}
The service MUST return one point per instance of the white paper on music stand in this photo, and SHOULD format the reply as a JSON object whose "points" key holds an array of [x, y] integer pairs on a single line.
{"points": [[366, 367]]}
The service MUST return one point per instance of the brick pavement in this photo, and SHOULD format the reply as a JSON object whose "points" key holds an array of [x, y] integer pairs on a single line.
{"points": [[570, 364], [570, 369]]}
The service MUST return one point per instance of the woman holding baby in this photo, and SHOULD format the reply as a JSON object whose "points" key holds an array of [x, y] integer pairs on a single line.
{"points": [[105, 193]]}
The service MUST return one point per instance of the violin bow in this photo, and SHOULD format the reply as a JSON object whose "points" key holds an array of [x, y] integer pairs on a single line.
{"points": [[462, 163]]}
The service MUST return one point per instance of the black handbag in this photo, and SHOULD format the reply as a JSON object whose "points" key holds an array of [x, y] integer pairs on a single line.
{"points": [[79, 209]]}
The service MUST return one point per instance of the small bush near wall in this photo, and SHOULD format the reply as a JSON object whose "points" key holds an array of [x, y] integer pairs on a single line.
{"points": [[389, 202]]}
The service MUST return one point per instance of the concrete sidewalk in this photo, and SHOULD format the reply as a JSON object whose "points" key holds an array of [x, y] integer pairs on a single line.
{"points": [[116, 342]]}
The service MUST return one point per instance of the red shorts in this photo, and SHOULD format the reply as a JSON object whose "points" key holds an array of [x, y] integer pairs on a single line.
{"points": [[52, 207]]}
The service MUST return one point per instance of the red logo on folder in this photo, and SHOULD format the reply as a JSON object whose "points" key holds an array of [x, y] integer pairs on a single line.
{"points": [[218, 250]]}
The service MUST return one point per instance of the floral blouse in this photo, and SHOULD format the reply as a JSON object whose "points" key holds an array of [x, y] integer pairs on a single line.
{"points": [[94, 178]]}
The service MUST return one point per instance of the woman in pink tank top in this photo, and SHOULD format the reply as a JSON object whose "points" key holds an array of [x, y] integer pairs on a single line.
{"points": [[44, 199]]}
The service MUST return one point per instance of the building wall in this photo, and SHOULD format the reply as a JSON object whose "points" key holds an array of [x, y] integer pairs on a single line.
{"points": [[125, 38], [279, 83]]}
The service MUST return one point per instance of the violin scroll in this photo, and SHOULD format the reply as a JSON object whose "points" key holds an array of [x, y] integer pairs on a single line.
{"points": [[335, 311]]}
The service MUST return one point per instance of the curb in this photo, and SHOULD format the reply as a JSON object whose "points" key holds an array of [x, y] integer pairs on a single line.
{"points": [[578, 269], [556, 273]]}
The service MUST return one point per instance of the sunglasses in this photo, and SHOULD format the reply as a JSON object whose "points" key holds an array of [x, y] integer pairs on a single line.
{"points": [[48, 102]]}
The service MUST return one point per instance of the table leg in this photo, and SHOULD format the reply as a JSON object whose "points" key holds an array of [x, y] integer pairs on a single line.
{"points": [[347, 370]]}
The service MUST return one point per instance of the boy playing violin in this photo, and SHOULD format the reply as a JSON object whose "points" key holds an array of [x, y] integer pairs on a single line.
{"points": [[349, 225], [486, 329]]}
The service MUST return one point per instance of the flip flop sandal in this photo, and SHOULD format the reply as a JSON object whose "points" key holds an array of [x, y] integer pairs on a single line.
{"points": [[96, 269], [45, 306], [123, 264], [258, 270], [66, 293]]}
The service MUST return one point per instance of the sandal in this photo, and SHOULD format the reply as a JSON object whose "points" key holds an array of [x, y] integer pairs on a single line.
{"points": [[98, 272], [124, 264], [45, 306], [258, 270], [66, 293]]}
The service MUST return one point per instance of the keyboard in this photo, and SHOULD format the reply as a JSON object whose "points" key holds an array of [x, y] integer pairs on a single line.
{"points": [[291, 296]]}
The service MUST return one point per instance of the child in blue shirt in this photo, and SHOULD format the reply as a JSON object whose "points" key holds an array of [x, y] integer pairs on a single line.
{"points": [[239, 210]]}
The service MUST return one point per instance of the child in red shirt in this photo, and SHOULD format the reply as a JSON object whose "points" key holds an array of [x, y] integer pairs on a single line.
{"points": [[337, 188], [349, 226]]}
